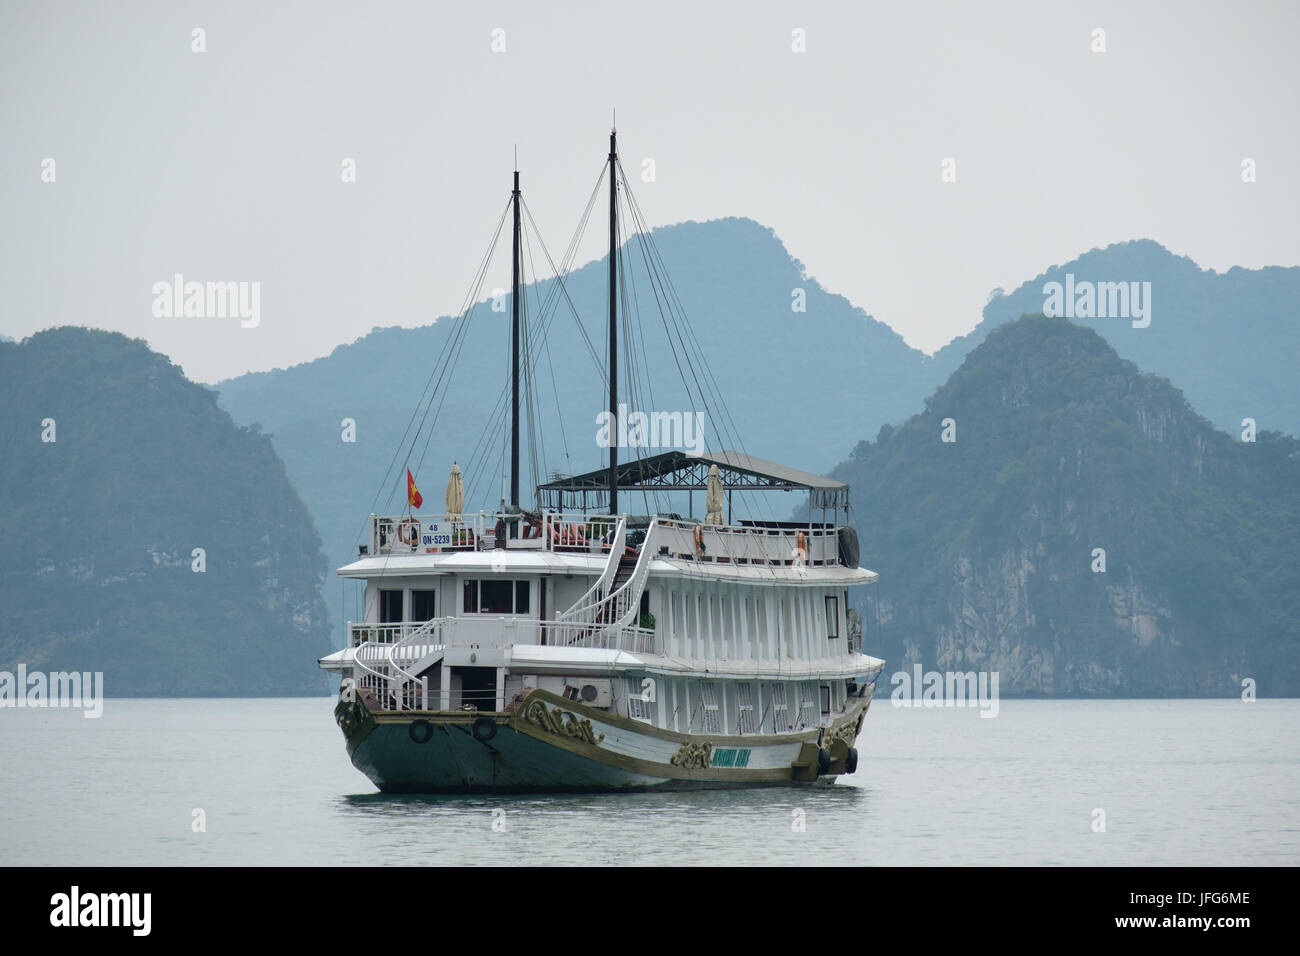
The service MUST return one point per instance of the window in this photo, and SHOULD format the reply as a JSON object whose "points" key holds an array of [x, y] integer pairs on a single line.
{"points": [[712, 718], [495, 596], [832, 617], [638, 708], [826, 698], [422, 605], [390, 607], [807, 704], [780, 710], [745, 721]]}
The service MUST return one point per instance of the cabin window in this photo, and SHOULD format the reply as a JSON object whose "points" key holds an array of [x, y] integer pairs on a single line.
{"points": [[780, 710], [832, 617], [422, 605], [746, 723], [826, 699], [495, 596], [638, 707], [807, 704], [390, 607], [712, 716]]}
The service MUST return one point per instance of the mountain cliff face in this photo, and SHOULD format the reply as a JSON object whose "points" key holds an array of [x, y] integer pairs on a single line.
{"points": [[1085, 534], [99, 570]]}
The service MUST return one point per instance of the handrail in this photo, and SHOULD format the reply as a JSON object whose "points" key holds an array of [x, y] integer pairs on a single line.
{"points": [[595, 595], [629, 595], [425, 629]]}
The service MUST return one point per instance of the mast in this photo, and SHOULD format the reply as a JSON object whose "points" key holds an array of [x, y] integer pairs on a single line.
{"points": [[514, 354], [613, 324]]}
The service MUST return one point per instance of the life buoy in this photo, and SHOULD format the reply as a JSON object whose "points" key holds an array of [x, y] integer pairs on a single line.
{"points": [[484, 729], [425, 728], [408, 531]]}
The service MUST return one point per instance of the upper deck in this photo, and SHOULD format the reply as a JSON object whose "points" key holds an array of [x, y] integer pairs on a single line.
{"points": [[568, 542]]}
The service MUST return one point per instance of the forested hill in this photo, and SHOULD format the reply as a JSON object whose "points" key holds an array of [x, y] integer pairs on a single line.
{"points": [[115, 470], [1229, 340], [989, 546]]}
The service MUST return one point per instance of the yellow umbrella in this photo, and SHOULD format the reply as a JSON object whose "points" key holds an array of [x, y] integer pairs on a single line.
{"points": [[713, 497], [455, 494]]}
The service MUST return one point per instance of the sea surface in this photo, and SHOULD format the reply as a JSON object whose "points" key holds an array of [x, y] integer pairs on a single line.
{"points": [[1188, 782]]}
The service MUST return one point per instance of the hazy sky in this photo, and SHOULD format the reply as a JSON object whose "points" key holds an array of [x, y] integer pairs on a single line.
{"points": [[226, 164]]}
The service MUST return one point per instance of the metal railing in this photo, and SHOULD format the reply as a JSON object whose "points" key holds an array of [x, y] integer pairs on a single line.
{"points": [[484, 531], [393, 659], [749, 544], [585, 609]]}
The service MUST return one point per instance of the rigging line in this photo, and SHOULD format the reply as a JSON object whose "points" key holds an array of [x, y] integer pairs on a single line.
{"points": [[572, 249], [665, 315], [448, 371], [496, 419], [658, 268], [447, 361], [563, 289], [450, 353], [537, 435], [672, 289], [398, 450]]}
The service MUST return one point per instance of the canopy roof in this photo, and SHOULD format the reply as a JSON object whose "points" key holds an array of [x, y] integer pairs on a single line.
{"points": [[683, 471]]}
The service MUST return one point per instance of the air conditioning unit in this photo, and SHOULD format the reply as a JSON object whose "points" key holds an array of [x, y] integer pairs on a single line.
{"points": [[593, 693]]}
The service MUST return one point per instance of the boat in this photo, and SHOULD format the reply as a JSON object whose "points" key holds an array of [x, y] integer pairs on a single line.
{"points": [[568, 645]]}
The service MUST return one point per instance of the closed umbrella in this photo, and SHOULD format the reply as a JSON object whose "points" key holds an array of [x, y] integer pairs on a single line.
{"points": [[455, 494], [713, 497]]}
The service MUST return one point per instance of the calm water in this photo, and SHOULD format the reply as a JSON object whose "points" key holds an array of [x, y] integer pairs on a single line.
{"points": [[1181, 782]]}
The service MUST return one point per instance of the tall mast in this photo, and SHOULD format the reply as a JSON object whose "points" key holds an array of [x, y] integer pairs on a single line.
{"points": [[514, 354], [613, 324]]}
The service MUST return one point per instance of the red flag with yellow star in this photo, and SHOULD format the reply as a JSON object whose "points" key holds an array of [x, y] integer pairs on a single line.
{"points": [[413, 497]]}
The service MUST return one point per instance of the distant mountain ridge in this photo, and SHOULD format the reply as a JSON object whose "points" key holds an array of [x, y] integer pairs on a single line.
{"points": [[1228, 340], [801, 386]]}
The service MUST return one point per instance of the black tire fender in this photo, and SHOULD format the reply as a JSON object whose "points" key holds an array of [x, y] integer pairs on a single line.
{"points": [[420, 731], [485, 728], [823, 761]]}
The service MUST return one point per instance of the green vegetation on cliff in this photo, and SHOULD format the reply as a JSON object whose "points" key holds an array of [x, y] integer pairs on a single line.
{"points": [[101, 524], [986, 545]]}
